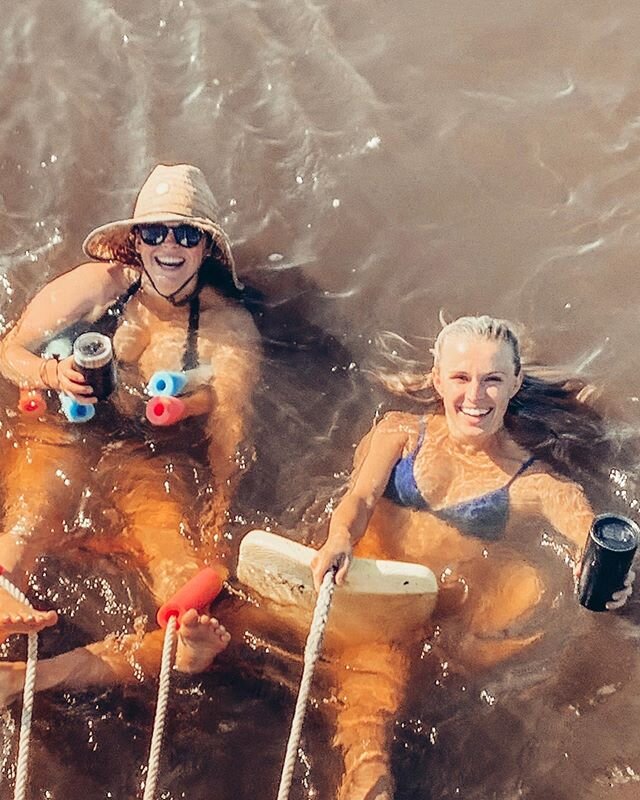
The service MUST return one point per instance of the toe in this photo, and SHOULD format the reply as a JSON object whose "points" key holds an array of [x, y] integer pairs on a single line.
{"points": [[189, 618]]}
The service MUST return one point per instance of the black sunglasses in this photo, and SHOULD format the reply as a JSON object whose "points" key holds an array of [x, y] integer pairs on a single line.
{"points": [[155, 233]]}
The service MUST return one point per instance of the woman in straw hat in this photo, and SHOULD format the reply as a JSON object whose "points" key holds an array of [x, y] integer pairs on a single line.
{"points": [[162, 284], [453, 488]]}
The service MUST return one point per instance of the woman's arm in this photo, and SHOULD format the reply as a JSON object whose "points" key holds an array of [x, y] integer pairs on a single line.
{"points": [[374, 459], [565, 505], [230, 346], [77, 294], [560, 501]]}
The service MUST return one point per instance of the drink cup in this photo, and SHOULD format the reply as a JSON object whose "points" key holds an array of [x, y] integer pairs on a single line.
{"points": [[93, 355], [609, 551]]}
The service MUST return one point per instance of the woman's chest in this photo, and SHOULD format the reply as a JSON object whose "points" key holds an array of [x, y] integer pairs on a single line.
{"points": [[445, 480]]}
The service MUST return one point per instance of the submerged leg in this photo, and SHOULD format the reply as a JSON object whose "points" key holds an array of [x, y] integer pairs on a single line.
{"points": [[115, 660], [501, 599], [43, 480], [370, 683], [155, 501]]}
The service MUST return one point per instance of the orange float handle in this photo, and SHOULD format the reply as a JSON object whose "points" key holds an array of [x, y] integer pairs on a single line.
{"points": [[32, 402], [197, 593]]}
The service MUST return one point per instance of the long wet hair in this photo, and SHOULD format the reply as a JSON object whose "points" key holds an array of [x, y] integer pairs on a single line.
{"points": [[550, 414]]}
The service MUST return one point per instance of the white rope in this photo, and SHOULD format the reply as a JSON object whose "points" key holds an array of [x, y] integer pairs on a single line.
{"points": [[161, 711], [28, 694], [311, 653]]}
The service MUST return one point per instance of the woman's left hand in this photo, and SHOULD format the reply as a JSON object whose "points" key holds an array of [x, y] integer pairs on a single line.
{"points": [[619, 598]]}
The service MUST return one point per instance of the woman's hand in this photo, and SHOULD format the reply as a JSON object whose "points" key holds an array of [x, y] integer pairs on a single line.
{"points": [[619, 598], [71, 382], [335, 552]]}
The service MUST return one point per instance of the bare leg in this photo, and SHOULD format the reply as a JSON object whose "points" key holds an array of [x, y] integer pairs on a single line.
{"points": [[501, 597], [124, 660], [49, 468], [156, 521], [370, 682]]}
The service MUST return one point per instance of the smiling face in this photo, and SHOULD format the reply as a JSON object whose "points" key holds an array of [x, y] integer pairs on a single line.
{"points": [[476, 378], [170, 265]]}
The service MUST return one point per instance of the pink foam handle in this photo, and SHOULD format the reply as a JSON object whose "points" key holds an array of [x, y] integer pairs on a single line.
{"points": [[196, 593], [164, 410], [32, 402]]}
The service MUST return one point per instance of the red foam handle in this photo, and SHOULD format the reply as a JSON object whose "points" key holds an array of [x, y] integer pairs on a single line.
{"points": [[196, 593], [164, 410], [32, 402]]}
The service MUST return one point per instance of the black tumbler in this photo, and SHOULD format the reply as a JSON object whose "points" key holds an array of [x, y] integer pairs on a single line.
{"points": [[93, 355], [608, 554]]}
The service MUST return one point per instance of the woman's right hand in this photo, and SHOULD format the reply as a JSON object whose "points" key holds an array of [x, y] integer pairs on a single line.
{"points": [[335, 552], [72, 382]]}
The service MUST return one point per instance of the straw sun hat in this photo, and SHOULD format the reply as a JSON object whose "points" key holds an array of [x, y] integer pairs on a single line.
{"points": [[177, 193]]}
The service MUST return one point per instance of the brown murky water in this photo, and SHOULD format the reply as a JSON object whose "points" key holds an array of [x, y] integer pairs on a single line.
{"points": [[373, 163]]}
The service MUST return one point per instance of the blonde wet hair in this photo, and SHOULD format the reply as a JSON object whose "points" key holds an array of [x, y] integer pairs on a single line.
{"points": [[483, 327]]}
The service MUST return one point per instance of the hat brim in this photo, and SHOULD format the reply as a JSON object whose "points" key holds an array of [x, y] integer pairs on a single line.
{"points": [[113, 241]]}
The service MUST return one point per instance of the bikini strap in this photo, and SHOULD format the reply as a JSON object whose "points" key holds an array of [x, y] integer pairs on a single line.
{"points": [[108, 322], [422, 430], [523, 467], [118, 306], [190, 355]]}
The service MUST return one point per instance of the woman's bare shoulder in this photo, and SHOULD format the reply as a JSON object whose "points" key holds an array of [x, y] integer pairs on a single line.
{"points": [[401, 423], [218, 312], [541, 477], [95, 279]]}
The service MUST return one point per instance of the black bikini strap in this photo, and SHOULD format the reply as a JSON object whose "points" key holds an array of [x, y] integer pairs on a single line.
{"points": [[190, 355], [117, 307], [523, 467]]}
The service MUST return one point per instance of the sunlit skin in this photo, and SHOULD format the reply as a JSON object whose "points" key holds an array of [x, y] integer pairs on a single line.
{"points": [[487, 589]]}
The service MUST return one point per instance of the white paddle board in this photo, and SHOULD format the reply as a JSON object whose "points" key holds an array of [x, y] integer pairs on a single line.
{"points": [[379, 601]]}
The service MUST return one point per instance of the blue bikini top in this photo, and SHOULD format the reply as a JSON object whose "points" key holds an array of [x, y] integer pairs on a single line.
{"points": [[484, 517]]}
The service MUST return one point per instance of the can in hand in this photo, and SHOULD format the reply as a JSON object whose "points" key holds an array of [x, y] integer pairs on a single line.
{"points": [[93, 355], [608, 554]]}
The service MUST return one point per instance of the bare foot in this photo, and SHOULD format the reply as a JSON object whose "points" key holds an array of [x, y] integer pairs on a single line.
{"points": [[15, 617], [200, 639]]}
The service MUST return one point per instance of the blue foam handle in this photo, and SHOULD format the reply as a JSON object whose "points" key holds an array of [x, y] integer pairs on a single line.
{"points": [[166, 384], [75, 411]]}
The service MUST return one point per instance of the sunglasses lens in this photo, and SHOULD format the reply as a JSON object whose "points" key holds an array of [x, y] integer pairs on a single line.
{"points": [[187, 235], [153, 234]]}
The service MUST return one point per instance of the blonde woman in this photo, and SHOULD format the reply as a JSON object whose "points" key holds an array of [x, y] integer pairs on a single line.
{"points": [[448, 488], [162, 284]]}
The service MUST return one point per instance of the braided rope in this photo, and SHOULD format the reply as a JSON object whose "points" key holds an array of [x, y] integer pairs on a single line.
{"points": [[28, 694], [311, 653], [161, 710]]}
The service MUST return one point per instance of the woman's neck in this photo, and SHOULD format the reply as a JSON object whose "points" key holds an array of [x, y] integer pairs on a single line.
{"points": [[492, 445], [165, 305]]}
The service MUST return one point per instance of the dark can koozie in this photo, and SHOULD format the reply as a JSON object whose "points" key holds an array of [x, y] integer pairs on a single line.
{"points": [[608, 554], [93, 355]]}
